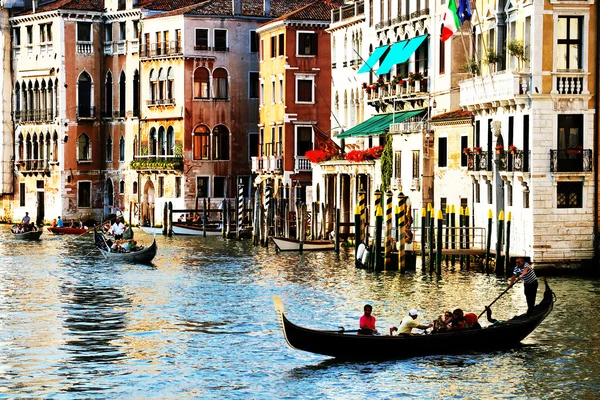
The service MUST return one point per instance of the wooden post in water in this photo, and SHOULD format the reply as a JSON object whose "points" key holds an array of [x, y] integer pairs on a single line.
{"points": [[453, 238], [461, 238], [401, 224], [378, 231], [240, 209], [130, 211], [302, 224], [507, 251], [432, 248], [362, 206], [336, 230], [165, 229], [423, 238], [357, 234], [499, 236], [266, 211], [170, 220], [388, 231], [447, 238], [489, 242], [439, 254], [468, 235], [256, 217]]}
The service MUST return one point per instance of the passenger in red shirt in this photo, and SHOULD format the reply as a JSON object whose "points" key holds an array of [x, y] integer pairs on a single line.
{"points": [[367, 322], [471, 319]]}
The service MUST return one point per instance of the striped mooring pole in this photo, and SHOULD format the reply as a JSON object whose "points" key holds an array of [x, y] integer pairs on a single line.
{"points": [[266, 216], [240, 210], [387, 264], [401, 234], [362, 206]]}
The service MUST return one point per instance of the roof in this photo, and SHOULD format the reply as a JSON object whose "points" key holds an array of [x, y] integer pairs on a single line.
{"points": [[84, 5], [318, 10], [456, 114], [250, 8]]}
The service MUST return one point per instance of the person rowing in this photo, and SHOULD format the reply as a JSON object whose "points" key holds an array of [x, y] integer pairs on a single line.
{"points": [[408, 323]]}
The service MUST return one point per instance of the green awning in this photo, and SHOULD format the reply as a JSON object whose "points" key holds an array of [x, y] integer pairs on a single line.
{"points": [[378, 124], [375, 56], [401, 56], [393, 55]]}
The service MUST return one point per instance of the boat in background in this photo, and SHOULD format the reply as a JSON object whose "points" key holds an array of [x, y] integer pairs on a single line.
{"points": [[136, 255], [67, 231], [195, 230], [287, 244], [350, 345], [29, 235]]}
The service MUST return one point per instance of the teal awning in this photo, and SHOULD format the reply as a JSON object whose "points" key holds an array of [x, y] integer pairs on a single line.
{"points": [[373, 58], [378, 124], [401, 56], [393, 55]]}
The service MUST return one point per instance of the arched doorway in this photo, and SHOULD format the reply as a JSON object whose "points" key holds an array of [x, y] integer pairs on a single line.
{"points": [[109, 197], [148, 204]]}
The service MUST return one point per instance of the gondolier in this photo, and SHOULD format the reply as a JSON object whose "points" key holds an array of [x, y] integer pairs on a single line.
{"points": [[118, 228], [524, 270]]}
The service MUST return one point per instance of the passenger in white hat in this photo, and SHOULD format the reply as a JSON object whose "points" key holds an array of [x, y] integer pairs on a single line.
{"points": [[408, 323]]}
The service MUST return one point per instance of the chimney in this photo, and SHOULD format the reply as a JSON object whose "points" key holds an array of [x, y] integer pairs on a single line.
{"points": [[267, 7], [237, 7]]}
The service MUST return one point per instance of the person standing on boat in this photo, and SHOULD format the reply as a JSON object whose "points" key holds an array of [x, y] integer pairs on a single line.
{"points": [[408, 323], [524, 270], [118, 228], [367, 322], [26, 219], [60, 222]]}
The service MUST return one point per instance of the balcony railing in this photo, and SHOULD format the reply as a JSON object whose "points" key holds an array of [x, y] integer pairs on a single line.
{"points": [[86, 112], [157, 163], [571, 160], [501, 86], [570, 83], [518, 160], [302, 163], [480, 161], [162, 49], [33, 166], [85, 47], [161, 102], [43, 115]]}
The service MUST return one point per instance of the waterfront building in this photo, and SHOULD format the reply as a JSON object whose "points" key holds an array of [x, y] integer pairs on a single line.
{"points": [[6, 126], [534, 122]]}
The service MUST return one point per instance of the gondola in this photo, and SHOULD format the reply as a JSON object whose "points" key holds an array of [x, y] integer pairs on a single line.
{"points": [[29, 235], [288, 244], [66, 230], [145, 255], [353, 346]]}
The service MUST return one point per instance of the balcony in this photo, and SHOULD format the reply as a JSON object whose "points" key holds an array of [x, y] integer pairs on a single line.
{"points": [[161, 102], [348, 12], [503, 86], [162, 49], [275, 164], [257, 164], [579, 160], [85, 112], [404, 96], [33, 167], [570, 83], [84, 47], [302, 164], [157, 164], [517, 161], [480, 161]]}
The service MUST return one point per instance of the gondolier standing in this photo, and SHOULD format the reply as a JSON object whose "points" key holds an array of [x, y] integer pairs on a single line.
{"points": [[524, 270], [118, 228]]}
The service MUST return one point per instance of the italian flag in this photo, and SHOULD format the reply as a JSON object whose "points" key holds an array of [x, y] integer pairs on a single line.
{"points": [[451, 21]]}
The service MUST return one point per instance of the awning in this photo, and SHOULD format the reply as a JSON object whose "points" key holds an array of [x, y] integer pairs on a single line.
{"points": [[375, 56], [403, 55], [378, 124], [393, 55]]}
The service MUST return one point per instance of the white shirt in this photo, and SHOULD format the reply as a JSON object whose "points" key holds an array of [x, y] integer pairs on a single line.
{"points": [[118, 228]]}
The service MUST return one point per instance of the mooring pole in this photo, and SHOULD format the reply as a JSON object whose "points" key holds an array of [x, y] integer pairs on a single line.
{"points": [[507, 251], [468, 235], [388, 230], [499, 243], [438, 258], [357, 234], [378, 230], [423, 238], [488, 245]]}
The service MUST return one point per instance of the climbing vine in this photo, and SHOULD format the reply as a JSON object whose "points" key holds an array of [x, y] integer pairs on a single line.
{"points": [[387, 163]]}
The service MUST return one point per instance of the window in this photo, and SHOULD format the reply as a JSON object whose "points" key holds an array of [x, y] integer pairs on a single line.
{"points": [[303, 140], [509, 194], [201, 143], [261, 94], [21, 194], [136, 94], [170, 83], [122, 149], [84, 96], [273, 46], [281, 46], [281, 90], [220, 40], [170, 141], [202, 186], [153, 86], [122, 95], [162, 83], [201, 39], [220, 83], [161, 186], [415, 164], [29, 30], [442, 152], [109, 149], [569, 43], [262, 50], [17, 37], [253, 42], [443, 203], [398, 164], [490, 192], [134, 188], [464, 158], [152, 142], [252, 144], [161, 142], [108, 34], [121, 187], [569, 194], [570, 135], [273, 91], [253, 85], [84, 194], [307, 44], [177, 186], [84, 32], [279, 144], [304, 89], [108, 89], [136, 29], [220, 187], [122, 31], [84, 148], [477, 192], [220, 145], [201, 83]]}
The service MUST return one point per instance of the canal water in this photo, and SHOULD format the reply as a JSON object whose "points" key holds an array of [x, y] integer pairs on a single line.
{"points": [[199, 323]]}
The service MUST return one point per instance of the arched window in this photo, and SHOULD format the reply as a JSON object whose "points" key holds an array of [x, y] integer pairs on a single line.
{"points": [[122, 95], [122, 149], [220, 143], [55, 146], [162, 83], [84, 96], [161, 142], [84, 148], [108, 100], [30, 108], [43, 102], [17, 102], [121, 187], [170, 141], [170, 79], [201, 143], [135, 187], [48, 148], [20, 142], [153, 86], [220, 83], [36, 101], [152, 142], [41, 147], [136, 93], [34, 143], [28, 147], [135, 147], [51, 99], [109, 149], [109, 197], [201, 83]]}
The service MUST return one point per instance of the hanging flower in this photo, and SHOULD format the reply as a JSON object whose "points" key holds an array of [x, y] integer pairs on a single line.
{"points": [[512, 148], [467, 151], [364, 85], [316, 156], [477, 149], [415, 76], [364, 155]]}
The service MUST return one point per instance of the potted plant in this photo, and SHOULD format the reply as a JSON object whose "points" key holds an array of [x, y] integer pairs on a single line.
{"points": [[574, 149], [467, 151], [516, 49], [512, 149], [491, 58], [477, 150], [472, 66], [415, 76], [499, 149]]}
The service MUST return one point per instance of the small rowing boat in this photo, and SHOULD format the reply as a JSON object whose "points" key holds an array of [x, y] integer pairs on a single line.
{"points": [[350, 345], [287, 244], [66, 230], [29, 235], [141, 255]]}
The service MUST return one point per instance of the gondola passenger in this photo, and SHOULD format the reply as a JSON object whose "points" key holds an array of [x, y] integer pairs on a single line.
{"points": [[408, 323], [367, 322]]}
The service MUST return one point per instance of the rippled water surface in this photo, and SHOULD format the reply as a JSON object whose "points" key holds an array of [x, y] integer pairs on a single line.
{"points": [[199, 323]]}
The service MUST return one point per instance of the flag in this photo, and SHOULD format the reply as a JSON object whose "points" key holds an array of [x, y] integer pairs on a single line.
{"points": [[451, 22], [464, 11]]}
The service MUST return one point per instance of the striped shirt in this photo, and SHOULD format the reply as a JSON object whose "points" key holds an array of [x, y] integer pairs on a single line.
{"points": [[529, 277]]}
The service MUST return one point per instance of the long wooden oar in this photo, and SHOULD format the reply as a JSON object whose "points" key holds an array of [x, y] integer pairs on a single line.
{"points": [[96, 226], [501, 294]]}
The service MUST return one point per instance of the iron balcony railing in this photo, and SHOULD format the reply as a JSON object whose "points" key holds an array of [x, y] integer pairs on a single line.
{"points": [[571, 160]]}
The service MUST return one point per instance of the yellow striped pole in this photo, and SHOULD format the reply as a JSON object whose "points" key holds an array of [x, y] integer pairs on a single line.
{"points": [[468, 234], [388, 230], [402, 233], [362, 206]]}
